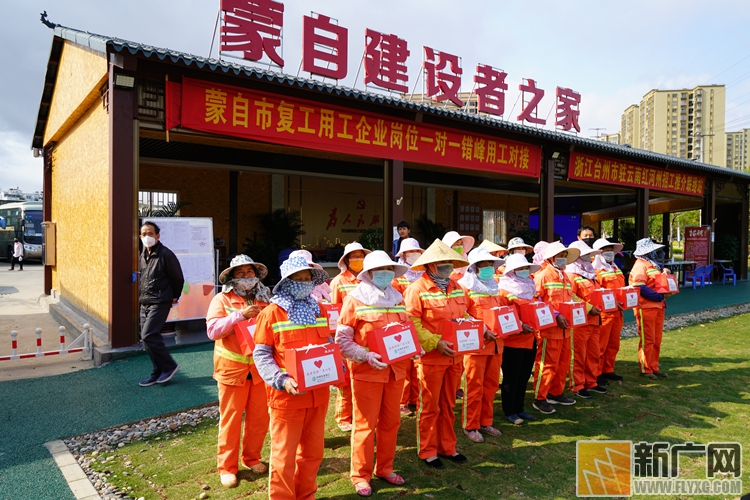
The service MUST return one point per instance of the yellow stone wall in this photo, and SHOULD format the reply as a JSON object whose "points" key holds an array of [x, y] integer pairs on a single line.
{"points": [[80, 208], [81, 74]]}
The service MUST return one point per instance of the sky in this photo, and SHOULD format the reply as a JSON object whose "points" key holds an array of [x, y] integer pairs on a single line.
{"points": [[612, 53]]}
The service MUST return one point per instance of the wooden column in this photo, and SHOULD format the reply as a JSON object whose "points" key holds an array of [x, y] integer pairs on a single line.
{"points": [[744, 228], [666, 233], [641, 213], [47, 206], [616, 229], [708, 213], [234, 178], [547, 199], [123, 221], [393, 199]]}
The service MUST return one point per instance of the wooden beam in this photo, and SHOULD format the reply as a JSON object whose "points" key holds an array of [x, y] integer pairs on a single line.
{"points": [[393, 199], [547, 198], [234, 178], [744, 228], [641, 211]]}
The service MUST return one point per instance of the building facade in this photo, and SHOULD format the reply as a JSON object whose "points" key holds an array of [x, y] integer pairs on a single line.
{"points": [[737, 154]]}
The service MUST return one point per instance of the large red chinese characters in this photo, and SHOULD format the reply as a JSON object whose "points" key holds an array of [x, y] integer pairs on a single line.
{"points": [[253, 27], [567, 109], [491, 89], [324, 47], [442, 85], [531, 105], [385, 61]]}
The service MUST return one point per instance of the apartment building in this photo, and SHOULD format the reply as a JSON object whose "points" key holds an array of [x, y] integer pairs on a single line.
{"points": [[737, 154]]}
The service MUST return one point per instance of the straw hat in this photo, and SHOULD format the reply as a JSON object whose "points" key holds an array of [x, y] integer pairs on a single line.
{"points": [[439, 252], [557, 247], [603, 242], [261, 271], [451, 238], [492, 247], [519, 243], [349, 248], [480, 254], [296, 264], [517, 261], [645, 247], [409, 245], [307, 256], [377, 259], [584, 248]]}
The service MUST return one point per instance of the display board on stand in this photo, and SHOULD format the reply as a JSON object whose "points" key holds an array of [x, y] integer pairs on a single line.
{"points": [[698, 244], [192, 241]]}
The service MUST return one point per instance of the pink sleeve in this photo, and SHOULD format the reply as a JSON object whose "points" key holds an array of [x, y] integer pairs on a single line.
{"points": [[218, 328]]}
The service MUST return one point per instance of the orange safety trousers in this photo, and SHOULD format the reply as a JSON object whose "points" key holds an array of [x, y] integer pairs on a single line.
{"points": [[435, 418], [585, 357], [551, 367], [233, 401], [650, 328], [297, 443], [376, 415], [343, 411], [410, 394], [609, 341], [480, 382]]}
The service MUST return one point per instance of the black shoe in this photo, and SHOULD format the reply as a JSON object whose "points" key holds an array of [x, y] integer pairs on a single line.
{"points": [[612, 376], [435, 464], [599, 390], [602, 381], [460, 394], [456, 459], [527, 416], [514, 419], [661, 374], [583, 393], [149, 381], [560, 400], [167, 376], [543, 406]]}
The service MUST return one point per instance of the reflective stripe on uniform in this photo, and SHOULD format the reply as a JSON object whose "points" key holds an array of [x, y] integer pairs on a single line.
{"points": [[232, 356], [362, 310], [540, 373], [440, 295], [285, 326]]}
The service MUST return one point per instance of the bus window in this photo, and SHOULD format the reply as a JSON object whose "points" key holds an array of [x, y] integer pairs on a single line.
{"points": [[32, 233]]}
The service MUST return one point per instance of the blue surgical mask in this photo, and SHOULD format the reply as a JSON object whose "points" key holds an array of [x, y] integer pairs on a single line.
{"points": [[382, 279], [486, 273], [523, 273], [561, 262]]}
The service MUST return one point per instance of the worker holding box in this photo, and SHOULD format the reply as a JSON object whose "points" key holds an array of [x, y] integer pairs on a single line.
{"points": [[482, 370], [585, 338], [242, 297], [609, 276], [553, 350], [649, 315], [376, 386], [430, 301], [350, 265], [292, 321]]}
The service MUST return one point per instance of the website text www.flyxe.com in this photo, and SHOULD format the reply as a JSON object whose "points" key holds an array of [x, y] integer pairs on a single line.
{"points": [[687, 487]]}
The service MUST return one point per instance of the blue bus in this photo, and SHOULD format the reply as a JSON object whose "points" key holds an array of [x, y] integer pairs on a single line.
{"points": [[22, 220]]}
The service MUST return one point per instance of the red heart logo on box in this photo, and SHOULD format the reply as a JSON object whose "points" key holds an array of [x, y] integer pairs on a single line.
{"points": [[319, 363], [467, 333], [397, 337]]}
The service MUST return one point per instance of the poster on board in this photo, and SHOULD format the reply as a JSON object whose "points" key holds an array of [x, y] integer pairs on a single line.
{"points": [[697, 244], [192, 241]]}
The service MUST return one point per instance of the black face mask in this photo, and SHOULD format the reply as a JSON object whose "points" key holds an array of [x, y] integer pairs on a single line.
{"points": [[589, 241]]}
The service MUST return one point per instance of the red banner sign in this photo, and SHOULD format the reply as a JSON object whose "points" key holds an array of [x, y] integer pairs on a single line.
{"points": [[260, 116], [697, 244], [595, 169]]}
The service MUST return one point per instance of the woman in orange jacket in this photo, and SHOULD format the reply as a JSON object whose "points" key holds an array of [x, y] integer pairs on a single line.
{"points": [[608, 276], [430, 301], [241, 390], [376, 386], [292, 321]]}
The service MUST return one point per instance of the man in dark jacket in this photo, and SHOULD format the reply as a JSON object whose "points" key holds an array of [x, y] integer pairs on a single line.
{"points": [[160, 287]]}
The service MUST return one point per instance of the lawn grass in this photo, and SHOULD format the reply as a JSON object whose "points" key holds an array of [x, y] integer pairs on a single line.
{"points": [[705, 399]]}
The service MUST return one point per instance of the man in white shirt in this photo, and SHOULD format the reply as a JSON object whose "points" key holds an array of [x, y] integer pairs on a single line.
{"points": [[17, 255]]}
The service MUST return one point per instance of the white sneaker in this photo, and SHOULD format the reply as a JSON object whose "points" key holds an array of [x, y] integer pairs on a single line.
{"points": [[228, 480]]}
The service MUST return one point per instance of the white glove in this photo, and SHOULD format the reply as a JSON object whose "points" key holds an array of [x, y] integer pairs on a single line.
{"points": [[372, 360]]}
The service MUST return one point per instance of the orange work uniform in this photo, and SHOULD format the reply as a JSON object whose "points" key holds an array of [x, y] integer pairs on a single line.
{"points": [[410, 393], [612, 321], [341, 285], [499, 273], [585, 338], [481, 376], [297, 422], [553, 356], [649, 316], [375, 393], [240, 390], [439, 375]]}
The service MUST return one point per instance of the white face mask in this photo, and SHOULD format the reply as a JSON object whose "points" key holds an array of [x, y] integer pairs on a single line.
{"points": [[561, 262], [519, 251], [148, 241], [608, 256], [411, 258]]}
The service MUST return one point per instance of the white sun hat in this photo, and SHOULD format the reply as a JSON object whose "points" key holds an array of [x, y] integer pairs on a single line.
{"points": [[307, 256], [603, 242], [557, 247], [480, 254], [451, 238], [377, 259], [349, 248], [645, 246], [261, 271], [518, 242], [296, 264], [409, 245], [517, 261], [584, 248]]}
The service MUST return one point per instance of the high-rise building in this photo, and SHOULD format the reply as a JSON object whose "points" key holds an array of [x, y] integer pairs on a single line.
{"points": [[610, 138], [737, 154], [687, 123]]}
